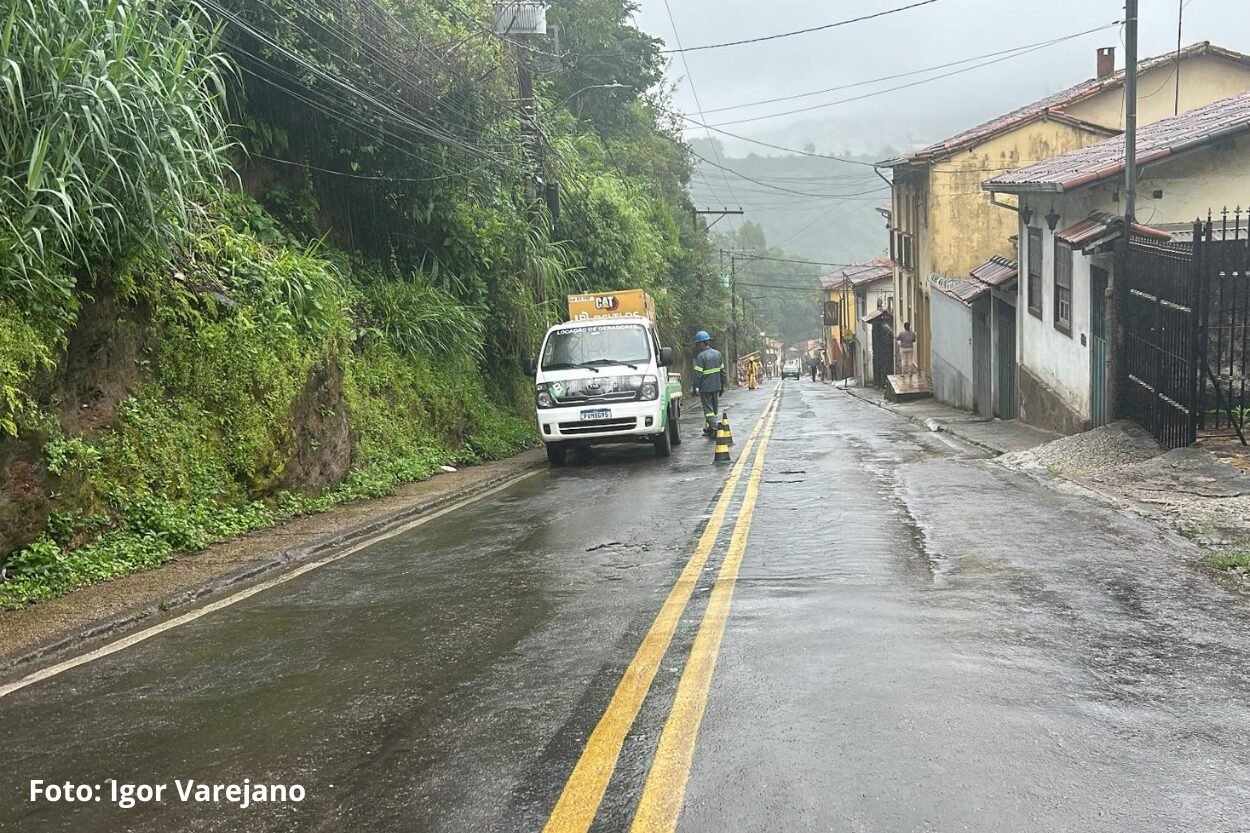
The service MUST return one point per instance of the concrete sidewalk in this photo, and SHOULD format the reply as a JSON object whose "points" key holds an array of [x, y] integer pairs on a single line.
{"points": [[994, 435]]}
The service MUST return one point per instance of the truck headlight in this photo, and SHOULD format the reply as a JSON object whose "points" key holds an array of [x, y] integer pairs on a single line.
{"points": [[650, 389], [542, 397]]}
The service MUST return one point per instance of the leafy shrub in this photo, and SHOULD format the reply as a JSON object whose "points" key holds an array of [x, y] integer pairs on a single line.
{"points": [[24, 351]]}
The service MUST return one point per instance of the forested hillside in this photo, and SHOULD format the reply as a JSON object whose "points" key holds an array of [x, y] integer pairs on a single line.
{"points": [[260, 256], [821, 208], [777, 292]]}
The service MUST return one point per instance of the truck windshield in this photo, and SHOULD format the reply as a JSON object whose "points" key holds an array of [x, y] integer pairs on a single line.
{"points": [[597, 345]]}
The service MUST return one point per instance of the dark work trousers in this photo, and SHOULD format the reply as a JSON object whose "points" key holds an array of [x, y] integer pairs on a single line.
{"points": [[814, 370], [711, 407]]}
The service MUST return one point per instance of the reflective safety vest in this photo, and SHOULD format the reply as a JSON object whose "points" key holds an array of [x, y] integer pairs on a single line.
{"points": [[709, 371]]}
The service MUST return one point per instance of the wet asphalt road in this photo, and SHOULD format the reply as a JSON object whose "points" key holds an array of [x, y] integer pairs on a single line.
{"points": [[918, 641]]}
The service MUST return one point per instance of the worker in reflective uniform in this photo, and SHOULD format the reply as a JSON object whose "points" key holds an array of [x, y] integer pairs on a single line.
{"points": [[709, 379]]}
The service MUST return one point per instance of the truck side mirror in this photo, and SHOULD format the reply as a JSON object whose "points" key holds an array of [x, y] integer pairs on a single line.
{"points": [[530, 366], [666, 357]]}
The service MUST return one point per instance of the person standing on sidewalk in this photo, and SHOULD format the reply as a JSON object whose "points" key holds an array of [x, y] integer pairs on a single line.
{"points": [[709, 379], [907, 350]]}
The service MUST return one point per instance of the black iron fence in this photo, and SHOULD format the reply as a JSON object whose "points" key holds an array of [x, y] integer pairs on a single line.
{"points": [[1185, 327], [1223, 261]]}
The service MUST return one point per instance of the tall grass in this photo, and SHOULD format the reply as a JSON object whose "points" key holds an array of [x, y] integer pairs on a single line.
{"points": [[420, 318], [111, 128]]}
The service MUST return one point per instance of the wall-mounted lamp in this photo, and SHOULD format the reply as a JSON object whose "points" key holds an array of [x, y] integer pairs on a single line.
{"points": [[1052, 219], [1026, 214]]}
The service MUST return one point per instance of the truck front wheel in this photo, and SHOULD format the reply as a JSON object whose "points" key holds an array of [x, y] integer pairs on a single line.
{"points": [[556, 453], [664, 444], [674, 423]]}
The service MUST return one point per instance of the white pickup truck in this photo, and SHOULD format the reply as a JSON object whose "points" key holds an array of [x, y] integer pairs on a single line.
{"points": [[603, 378]]}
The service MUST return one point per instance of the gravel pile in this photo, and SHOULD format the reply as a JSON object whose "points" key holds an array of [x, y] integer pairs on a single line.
{"points": [[1095, 452]]}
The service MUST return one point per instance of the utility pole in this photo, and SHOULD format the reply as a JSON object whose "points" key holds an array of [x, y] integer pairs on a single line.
{"points": [[721, 213], [523, 20], [733, 316], [1130, 114], [525, 84], [1117, 291], [1180, 28]]}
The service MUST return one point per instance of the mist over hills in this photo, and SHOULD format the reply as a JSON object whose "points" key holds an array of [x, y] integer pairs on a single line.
{"points": [[821, 209]]}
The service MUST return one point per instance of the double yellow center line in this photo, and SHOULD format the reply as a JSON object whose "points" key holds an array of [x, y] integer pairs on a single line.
{"points": [[664, 791]]}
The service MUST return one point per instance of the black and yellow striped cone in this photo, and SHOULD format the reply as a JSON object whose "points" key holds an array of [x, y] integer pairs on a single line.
{"points": [[723, 439]]}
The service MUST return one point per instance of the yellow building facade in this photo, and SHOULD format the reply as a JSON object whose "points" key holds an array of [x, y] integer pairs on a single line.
{"points": [[944, 223]]}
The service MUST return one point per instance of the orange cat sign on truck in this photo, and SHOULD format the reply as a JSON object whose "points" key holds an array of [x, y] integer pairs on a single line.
{"points": [[603, 377], [611, 305]]}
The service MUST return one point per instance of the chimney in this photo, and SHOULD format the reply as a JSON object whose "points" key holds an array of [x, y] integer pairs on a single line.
{"points": [[1106, 62]]}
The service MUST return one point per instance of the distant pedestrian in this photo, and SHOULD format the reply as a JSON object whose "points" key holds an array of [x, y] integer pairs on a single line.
{"points": [[813, 366], [709, 380], [907, 350]]}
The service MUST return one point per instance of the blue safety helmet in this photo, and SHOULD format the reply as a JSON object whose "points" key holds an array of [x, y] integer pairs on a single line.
{"points": [[701, 337]]}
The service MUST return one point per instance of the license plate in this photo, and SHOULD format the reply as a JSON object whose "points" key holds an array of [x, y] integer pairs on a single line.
{"points": [[591, 414]]}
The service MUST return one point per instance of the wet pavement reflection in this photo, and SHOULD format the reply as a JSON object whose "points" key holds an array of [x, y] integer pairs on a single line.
{"points": [[919, 640]]}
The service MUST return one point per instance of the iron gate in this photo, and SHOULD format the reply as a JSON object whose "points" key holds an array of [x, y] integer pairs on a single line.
{"points": [[1186, 332], [1159, 365], [982, 361], [1006, 408], [1097, 346], [882, 351]]}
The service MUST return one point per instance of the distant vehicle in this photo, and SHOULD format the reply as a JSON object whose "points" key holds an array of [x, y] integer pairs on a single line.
{"points": [[791, 369], [603, 377]]}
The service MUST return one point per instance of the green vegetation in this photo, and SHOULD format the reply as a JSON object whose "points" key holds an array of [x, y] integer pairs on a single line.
{"points": [[261, 256], [112, 129], [204, 330], [822, 208], [778, 292], [1198, 531], [1230, 561]]}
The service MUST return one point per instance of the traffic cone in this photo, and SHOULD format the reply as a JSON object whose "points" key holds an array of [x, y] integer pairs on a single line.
{"points": [[724, 429], [723, 439]]}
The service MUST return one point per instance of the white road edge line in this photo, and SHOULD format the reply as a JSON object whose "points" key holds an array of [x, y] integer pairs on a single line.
{"points": [[136, 638]]}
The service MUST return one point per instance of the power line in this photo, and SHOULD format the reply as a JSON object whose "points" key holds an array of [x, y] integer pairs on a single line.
{"points": [[792, 260], [379, 106], [898, 75], [795, 151], [349, 175], [779, 188], [375, 130], [698, 104], [682, 50], [803, 231], [807, 290], [909, 85]]}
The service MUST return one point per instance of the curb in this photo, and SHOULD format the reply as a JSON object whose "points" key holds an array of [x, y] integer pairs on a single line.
{"points": [[942, 427], [286, 558]]}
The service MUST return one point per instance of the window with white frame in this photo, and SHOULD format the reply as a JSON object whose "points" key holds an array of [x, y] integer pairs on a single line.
{"points": [[1063, 287]]}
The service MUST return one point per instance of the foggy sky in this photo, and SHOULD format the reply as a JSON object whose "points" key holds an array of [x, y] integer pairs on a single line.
{"points": [[948, 30]]}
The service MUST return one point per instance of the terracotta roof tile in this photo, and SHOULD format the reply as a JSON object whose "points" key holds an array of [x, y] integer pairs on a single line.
{"points": [[996, 271], [1052, 106], [858, 274], [963, 290], [1100, 227], [1156, 141]]}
